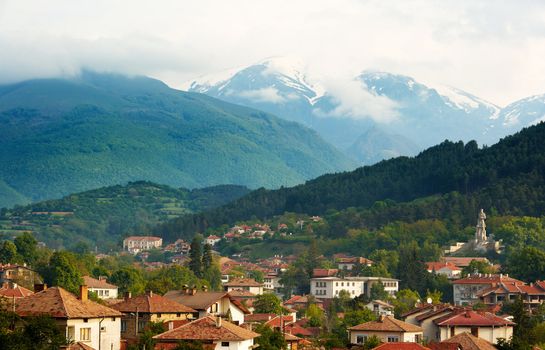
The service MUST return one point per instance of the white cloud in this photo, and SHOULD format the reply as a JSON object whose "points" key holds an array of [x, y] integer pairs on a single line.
{"points": [[491, 49], [354, 101], [268, 94]]}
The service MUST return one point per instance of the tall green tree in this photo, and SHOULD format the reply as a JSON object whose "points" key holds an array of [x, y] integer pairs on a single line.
{"points": [[8, 252], [207, 259], [128, 279], [63, 272], [27, 247], [267, 303], [412, 269], [195, 256]]}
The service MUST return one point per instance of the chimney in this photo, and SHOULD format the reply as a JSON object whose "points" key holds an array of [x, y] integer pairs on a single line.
{"points": [[184, 289], [204, 288], [40, 287], [194, 290], [149, 293], [128, 295], [102, 278], [382, 317], [218, 321], [83, 293]]}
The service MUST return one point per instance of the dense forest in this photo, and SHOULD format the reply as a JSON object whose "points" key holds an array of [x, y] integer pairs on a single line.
{"points": [[452, 179]]}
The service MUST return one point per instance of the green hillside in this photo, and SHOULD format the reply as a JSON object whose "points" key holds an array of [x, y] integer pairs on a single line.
{"points": [[453, 179], [60, 136], [103, 216]]}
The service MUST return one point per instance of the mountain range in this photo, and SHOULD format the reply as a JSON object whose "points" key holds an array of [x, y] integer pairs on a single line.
{"points": [[66, 135], [425, 114]]}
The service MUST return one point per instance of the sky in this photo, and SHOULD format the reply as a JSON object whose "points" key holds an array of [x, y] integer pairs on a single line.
{"points": [[493, 49]]}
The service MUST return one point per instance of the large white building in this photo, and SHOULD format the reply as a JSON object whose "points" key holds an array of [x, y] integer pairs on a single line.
{"points": [[100, 287], [137, 244], [330, 287]]}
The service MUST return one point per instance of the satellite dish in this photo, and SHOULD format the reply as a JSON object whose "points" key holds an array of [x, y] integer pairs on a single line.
{"points": [[429, 301]]}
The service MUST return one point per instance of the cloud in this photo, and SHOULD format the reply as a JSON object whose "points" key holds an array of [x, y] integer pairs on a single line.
{"points": [[353, 100], [268, 94]]}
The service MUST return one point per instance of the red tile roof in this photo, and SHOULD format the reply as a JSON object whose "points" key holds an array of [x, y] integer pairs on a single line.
{"points": [[152, 303], [208, 328], [487, 279], [278, 321], [243, 282], [143, 238], [472, 318], [387, 323], [463, 262], [400, 346], [59, 303], [259, 317], [438, 265], [324, 272], [15, 292], [97, 283], [470, 342]]}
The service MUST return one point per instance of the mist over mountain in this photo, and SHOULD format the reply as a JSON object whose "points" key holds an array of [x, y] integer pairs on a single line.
{"points": [[422, 114], [59, 136]]}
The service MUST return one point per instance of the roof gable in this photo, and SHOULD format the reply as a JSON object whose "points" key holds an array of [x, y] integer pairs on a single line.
{"points": [[208, 328]]}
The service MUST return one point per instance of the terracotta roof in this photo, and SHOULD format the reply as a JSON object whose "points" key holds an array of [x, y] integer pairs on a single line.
{"points": [[470, 342], [324, 272], [417, 309], [152, 303], [472, 318], [198, 301], [246, 282], [143, 238], [301, 299], [444, 346], [59, 303], [291, 337], [382, 303], [77, 346], [239, 293], [278, 320], [206, 328], [463, 262], [97, 283], [438, 265], [354, 260], [386, 323], [259, 317], [400, 346], [487, 279], [16, 292], [439, 309]]}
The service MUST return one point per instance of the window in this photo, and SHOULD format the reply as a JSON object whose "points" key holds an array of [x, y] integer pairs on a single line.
{"points": [[417, 338], [123, 326], [85, 334], [159, 315], [393, 338], [71, 333], [214, 308], [141, 325], [360, 339], [475, 331], [225, 344], [106, 293]]}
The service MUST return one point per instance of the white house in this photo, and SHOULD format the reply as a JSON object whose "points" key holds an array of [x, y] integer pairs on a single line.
{"points": [[136, 244], [271, 282], [467, 290], [248, 284], [103, 289], [380, 308], [348, 263], [212, 332], [212, 240], [330, 287], [387, 329], [81, 319], [444, 268], [210, 303], [484, 325]]}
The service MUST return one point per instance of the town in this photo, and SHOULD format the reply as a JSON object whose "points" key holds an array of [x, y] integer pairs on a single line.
{"points": [[198, 298]]}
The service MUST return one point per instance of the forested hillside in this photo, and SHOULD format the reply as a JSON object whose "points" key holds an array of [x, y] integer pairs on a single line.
{"points": [[103, 216], [507, 177]]}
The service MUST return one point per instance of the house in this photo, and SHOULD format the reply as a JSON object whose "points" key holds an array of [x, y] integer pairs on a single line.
{"points": [[400, 346], [387, 329], [444, 268], [299, 302], [82, 320], [20, 274], [317, 273], [329, 287], [136, 244], [349, 263], [212, 240], [424, 317], [210, 303], [14, 291], [532, 295], [271, 282], [248, 284], [213, 332], [467, 290], [140, 310], [380, 308], [100, 287], [484, 325], [463, 341]]}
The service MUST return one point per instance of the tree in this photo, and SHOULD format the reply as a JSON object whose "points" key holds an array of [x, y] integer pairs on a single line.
{"points": [[62, 271], [189, 345], [128, 279], [270, 339], [267, 303], [377, 291], [207, 257], [43, 333], [527, 263], [8, 252], [412, 270], [27, 247], [315, 315], [195, 256], [405, 300], [371, 342], [355, 317], [477, 266]]}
